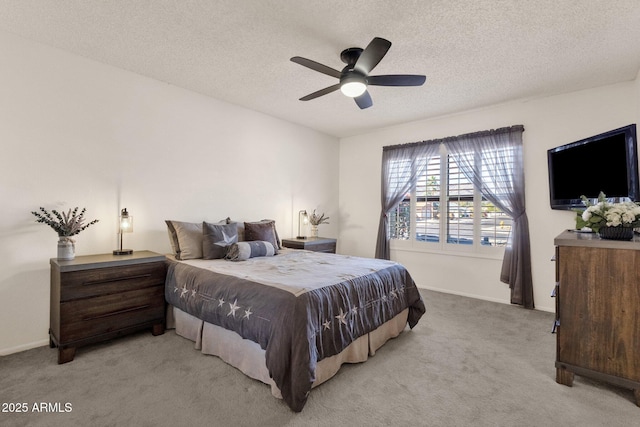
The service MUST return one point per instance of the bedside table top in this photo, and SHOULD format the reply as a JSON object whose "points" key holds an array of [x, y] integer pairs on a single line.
{"points": [[88, 262]]}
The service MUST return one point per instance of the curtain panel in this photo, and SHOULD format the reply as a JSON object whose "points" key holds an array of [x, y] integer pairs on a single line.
{"points": [[499, 176], [403, 159]]}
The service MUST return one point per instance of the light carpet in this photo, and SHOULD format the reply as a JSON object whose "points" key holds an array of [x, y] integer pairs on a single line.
{"points": [[468, 362]]}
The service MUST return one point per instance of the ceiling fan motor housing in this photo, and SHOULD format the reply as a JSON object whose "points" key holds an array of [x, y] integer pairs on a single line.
{"points": [[354, 77], [352, 82], [350, 56]]}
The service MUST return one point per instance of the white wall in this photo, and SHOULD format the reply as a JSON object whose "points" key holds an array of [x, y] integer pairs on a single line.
{"points": [[548, 122], [74, 132], [79, 133]]}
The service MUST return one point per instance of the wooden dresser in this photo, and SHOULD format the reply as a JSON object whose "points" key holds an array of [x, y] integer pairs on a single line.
{"points": [[598, 310], [316, 244], [99, 297]]}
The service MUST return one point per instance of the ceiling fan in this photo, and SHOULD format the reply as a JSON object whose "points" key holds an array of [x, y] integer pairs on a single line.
{"points": [[354, 78]]}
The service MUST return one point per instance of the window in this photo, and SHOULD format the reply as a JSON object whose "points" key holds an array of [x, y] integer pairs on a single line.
{"points": [[428, 201], [445, 210]]}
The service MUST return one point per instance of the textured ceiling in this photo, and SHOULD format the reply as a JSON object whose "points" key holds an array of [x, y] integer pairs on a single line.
{"points": [[474, 53]]}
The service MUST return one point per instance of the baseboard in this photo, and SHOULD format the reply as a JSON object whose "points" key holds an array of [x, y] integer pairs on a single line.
{"points": [[23, 347], [464, 294]]}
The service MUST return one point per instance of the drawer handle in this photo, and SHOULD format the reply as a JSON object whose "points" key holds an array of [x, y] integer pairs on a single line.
{"points": [[118, 279], [115, 313]]}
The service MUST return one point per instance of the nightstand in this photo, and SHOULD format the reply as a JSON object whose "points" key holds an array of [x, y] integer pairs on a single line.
{"points": [[316, 244], [96, 298]]}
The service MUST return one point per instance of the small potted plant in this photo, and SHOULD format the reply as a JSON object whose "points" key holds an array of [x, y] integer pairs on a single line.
{"points": [[66, 225], [315, 220]]}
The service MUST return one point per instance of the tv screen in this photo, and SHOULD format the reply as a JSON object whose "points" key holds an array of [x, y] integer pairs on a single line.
{"points": [[607, 162]]}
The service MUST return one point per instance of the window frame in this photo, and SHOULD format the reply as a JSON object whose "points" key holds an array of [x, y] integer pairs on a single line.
{"points": [[443, 247]]}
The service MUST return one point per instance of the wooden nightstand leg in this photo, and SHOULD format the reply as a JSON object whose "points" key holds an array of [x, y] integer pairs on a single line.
{"points": [[636, 393], [564, 376], [66, 355], [158, 329]]}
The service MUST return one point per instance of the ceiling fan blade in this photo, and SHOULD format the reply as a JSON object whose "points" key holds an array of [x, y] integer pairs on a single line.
{"points": [[316, 66], [372, 55], [364, 100], [320, 92], [396, 80]]}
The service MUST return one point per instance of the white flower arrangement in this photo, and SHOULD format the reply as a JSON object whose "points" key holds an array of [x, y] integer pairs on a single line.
{"points": [[605, 214]]}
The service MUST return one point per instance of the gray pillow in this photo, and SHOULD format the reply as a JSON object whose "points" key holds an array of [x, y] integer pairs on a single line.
{"points": [[264, 230], [186, 239], [242, 251], [173, 237], [216, 239]]}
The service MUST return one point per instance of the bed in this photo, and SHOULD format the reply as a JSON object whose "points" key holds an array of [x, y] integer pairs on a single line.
{"points": [[292, 319]]}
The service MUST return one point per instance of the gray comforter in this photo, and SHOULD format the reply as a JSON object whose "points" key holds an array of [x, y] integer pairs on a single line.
{"points": [[299, 306]]}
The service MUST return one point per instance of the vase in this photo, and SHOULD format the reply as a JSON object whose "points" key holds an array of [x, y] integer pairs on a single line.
{"points": [[66, 248], [314, 230], [616, 233]]}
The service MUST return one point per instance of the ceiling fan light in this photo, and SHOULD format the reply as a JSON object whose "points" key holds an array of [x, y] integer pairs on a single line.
{"points": [[353, 88]]}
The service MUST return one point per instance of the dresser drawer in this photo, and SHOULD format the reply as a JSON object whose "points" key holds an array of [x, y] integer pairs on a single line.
{"points": [[105, 314], [109, 280]]}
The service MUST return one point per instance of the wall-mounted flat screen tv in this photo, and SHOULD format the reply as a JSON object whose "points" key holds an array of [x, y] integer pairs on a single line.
{"points": [[607, 162]]}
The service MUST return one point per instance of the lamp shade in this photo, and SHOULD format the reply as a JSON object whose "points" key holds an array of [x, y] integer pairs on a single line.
{"points": [[303, 222], [125, 225], [126, 222]]}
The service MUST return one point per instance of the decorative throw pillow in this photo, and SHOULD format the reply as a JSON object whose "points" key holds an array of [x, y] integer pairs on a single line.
{"points": [[173, 238], [217, 238], [264, 230], [186, 239], [242, 251]]}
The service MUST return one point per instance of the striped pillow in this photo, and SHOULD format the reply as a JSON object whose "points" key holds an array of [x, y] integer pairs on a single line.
{"points": [[242, 251]]}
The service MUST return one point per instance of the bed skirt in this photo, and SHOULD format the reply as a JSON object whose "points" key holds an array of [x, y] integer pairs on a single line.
{"points": [[248, 357]]}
